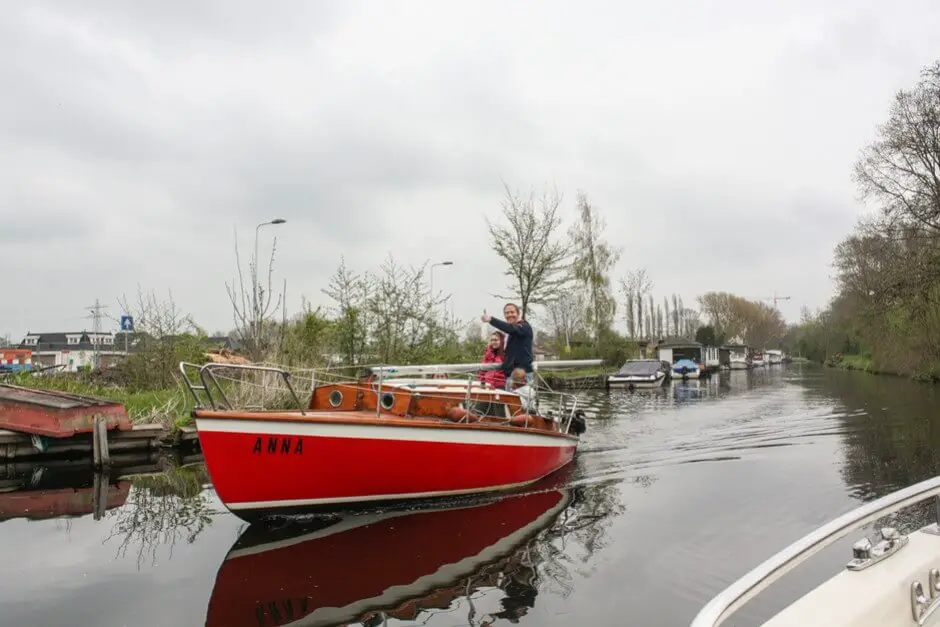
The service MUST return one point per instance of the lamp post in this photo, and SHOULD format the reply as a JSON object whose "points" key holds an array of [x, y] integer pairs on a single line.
{"points": [[440, 263], [433, 265], [254, 280]]}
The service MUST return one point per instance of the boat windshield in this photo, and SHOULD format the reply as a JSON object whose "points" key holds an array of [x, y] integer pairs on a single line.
{"points": [[643, 367]]}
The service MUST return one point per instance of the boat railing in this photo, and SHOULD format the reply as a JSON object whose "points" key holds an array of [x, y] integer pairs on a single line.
{"points": [[269, 386], [741, 591], [215, 392], [561, 407]]}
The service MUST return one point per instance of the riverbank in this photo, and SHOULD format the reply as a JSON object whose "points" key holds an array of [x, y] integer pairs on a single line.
{"points": [[864, 363]]}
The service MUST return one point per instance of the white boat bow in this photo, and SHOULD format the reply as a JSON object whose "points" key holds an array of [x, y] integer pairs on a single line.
{"points": [[893, 581]]}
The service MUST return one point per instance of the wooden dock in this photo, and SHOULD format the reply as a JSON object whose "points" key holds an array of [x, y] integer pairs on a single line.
{"points": [[139, 439]]}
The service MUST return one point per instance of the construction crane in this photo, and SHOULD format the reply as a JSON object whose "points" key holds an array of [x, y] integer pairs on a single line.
{"points": [[776, 298]]}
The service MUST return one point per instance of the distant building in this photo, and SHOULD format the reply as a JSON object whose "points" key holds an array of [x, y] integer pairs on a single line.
{"points": [[15, 360], [72, 350]]}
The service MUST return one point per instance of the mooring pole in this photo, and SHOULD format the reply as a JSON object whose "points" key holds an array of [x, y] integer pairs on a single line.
{"points": [[102, 457]]}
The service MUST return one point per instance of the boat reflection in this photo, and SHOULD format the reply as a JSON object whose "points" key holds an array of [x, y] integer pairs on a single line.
{"points": [[39, 492], [365, 569]]}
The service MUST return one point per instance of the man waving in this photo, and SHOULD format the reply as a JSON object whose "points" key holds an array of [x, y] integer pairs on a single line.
{"points": [[518, 342]]}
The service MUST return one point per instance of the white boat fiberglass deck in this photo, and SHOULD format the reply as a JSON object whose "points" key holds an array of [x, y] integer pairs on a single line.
{"points": [[892, 581]]}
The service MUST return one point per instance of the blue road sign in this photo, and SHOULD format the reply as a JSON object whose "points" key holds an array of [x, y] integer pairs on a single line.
{"points": [[127, 323]]}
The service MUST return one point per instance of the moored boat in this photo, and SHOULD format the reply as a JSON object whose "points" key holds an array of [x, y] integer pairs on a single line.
{"points": [[687, 369], [380, 438], [892, 580], [640, 374], [739, 358], [773, 356]]}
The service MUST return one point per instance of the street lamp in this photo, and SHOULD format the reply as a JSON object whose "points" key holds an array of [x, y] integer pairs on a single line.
{"points": [[254, 286], [440, 263]]}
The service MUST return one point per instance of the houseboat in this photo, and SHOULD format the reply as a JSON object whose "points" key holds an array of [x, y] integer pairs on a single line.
{"points": [[724, 358], [774, 356], [711, 358], [641, 374], [740, 358]]}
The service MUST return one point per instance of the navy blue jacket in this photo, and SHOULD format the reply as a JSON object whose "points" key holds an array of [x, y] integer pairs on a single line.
{"points": [[518, 345]]}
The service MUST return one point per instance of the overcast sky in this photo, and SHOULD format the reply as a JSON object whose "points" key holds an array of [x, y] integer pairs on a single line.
{"points": [[716, 139]]}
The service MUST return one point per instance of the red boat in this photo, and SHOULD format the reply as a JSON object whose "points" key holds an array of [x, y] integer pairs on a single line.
{"points": [[397, 563], [376, 440]]}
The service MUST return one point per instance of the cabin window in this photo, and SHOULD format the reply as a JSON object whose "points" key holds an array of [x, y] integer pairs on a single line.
{"points": [[388, 399], [336, 398]]}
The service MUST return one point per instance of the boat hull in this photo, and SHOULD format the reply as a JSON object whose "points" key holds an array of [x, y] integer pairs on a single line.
{"points": [[268, 467], [739, 364], [638, 383]]}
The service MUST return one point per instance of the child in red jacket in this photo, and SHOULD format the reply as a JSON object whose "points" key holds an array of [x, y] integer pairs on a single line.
{"points": [[494, 354]]}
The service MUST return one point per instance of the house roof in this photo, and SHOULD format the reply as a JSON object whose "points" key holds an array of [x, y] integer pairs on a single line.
{"points": [[59, 340], [678, 342]]}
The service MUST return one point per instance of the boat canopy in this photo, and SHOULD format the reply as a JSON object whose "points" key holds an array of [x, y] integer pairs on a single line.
{"points": [[640, 367]]}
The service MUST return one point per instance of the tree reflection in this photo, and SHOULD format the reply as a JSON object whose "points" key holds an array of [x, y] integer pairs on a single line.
{"points": [[887, 423], [161, 509]]}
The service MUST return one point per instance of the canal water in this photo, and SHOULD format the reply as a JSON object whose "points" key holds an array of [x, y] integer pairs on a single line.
{"points": [[674, 494]]}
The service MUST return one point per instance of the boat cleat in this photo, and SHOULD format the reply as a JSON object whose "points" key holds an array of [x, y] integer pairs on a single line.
{"points": [[865, 553]]}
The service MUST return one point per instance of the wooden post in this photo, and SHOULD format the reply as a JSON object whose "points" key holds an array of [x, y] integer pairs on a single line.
{"points": [[102, 456], [95, 446], [100, 493], [103, 442]]}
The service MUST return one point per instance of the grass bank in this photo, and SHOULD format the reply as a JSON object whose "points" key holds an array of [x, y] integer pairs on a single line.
{"points": [[929, 373], [577, 373], [861, 363], [169, 407]]}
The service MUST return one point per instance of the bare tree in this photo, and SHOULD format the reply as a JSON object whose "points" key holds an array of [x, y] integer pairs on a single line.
{"points": [[676, 311], [690, 323], [400, 307], [164, 335], [901, 169], [593, 260], [566, 315], [630, 314], [666, 317], [529, 245], [254, 306], [349, 291], [635, 287]]}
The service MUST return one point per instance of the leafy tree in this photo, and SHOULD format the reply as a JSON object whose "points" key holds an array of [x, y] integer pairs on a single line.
{"points": [[593, 260]]}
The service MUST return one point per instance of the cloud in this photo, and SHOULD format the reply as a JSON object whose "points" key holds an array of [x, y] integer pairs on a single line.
{"points": [[138, 137]]}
